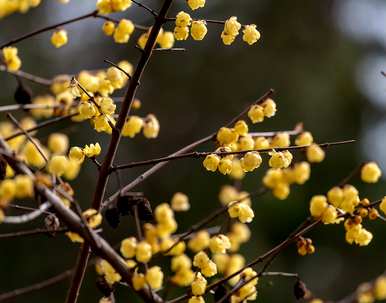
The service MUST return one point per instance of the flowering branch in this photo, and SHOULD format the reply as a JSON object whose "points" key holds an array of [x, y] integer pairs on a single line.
{"points": [[222, 153]]}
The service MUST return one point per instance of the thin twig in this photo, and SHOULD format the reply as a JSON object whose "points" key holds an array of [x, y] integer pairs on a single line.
{"points": [[27, 217], [149, 9], [117, 67], [32, 232], [32, 140], [41, 125], [172, 49], [27, 76], [351, 175], [16, 107]]}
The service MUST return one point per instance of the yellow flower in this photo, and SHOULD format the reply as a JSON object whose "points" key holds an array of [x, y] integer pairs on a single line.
{"points": [[226, 165], [280, 159], [199, 285], [183, 19], [7, 189], [59, 38], [87, 110], [250, 34], [123, 31], [76, 154], [227, 39], [74, 237], [154, 277], [107, 106], [261, 143], [251, 161], [120, 5], [143, 253], [58, 143], [132, 126], [335, 196], [382, 206], [246, 143], [128, 247], [209, 270], [256, 113], [151, 127], [183, 277], [166, 40], [304, 138], [24, 187], [199, 241], [201, 259], [318, 205], [301, 172], [370, 172], [58, 165], [180, 262], [195, 4], [281, 190], [196, 299], [198, 29], [232, 26], [138, 280], [315, 153], [11, 59], [226, 136], [181, 33], [211, 162], [108, 28], [329, 215], [241, 128], [93, 217], [281, 140], [72, 170], [32, 154], [269, 107], [180, 202], [380, 288], [92, 150], [219, 244]]}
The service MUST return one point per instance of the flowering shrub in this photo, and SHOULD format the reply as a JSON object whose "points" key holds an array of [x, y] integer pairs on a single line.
{"points": [[204, 262]]}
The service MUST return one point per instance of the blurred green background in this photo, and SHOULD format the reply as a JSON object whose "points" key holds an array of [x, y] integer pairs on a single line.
{"points": [[323, 58]]}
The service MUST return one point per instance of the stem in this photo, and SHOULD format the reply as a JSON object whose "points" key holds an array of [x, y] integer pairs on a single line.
{"points": [[32, 232], [48, 28], [37, 146], [27, 76], [41, 125]]}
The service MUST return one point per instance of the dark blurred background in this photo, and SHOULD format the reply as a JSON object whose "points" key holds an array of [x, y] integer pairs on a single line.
{"points": [[323, 58]]}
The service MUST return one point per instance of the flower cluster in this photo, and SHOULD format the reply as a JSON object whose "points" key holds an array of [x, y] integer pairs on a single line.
{"points": [[112, 6], [183, 21], [232, 28], [21, 6], [11, 58]]}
